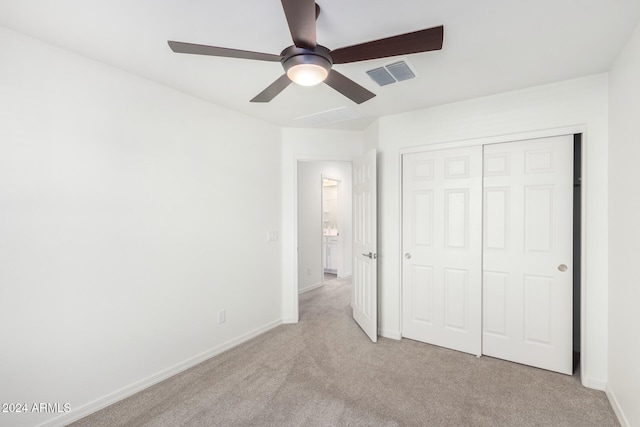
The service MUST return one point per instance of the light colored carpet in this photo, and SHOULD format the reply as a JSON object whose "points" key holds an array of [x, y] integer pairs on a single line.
{"points": [[324, 371]]}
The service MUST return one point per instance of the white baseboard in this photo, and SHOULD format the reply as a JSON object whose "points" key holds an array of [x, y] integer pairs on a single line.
{"points": [[394, 335], [594, 383], [616, 407], [310, 288], [103, 402]]}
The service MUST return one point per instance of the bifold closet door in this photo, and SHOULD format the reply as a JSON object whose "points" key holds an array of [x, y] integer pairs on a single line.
{"points": [[442, 248], [527, 252]]}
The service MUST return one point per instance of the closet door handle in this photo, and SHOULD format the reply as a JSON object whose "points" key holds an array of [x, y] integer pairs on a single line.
{"points": [[562, 268], [407, 255]]}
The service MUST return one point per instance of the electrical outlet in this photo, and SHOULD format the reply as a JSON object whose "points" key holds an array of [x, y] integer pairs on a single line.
{"points": [[272, 236], [222, 316]]}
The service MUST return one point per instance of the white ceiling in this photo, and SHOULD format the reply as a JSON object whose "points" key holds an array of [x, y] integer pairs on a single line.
{"points": [[490, 46]]}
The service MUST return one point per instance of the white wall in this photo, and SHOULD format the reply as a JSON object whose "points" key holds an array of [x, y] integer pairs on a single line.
{"points": [[371, 136], [580, 102], [624, 233], [310, 218], [299, 145], [130, 215]]}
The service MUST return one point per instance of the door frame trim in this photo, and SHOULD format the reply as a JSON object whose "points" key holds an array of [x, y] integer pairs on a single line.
{"points": [[497, 139]]}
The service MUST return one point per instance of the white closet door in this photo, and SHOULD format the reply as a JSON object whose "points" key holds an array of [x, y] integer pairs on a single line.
{"points": [[442, 232], [527, 252]]}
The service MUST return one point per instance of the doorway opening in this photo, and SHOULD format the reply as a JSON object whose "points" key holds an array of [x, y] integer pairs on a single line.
{"points": [[324, 230]]}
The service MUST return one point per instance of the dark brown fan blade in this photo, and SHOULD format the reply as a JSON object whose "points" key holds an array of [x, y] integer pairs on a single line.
{"points": [[199, 49], [273, 89], [301, 17], [348, 87], [404, 44]]}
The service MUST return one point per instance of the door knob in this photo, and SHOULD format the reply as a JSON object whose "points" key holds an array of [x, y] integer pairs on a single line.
{"points": [[562, 268], [369, 255], [407, 255]]}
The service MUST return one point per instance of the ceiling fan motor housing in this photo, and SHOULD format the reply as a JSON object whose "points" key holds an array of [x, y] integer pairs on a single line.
{"points": [[295, 56]]}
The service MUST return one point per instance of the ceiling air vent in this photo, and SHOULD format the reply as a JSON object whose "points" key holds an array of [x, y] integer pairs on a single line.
{"points": [[391, 73], [324, 118], [381, 76], [400, 70]]}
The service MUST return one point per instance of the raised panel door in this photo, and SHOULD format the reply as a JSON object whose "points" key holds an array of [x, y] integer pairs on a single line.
{"points": [[365, 284], [442, 227], [528, 237]]}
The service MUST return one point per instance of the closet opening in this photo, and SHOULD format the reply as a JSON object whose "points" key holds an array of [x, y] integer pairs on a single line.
{"points": [[577, 245]]}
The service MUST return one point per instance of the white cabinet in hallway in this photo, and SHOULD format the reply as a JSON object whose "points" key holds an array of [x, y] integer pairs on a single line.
{"points": [[330, 254]]}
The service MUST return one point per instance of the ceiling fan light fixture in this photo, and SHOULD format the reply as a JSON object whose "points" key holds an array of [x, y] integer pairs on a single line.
{"points": [[307, 67], [307, 74]]}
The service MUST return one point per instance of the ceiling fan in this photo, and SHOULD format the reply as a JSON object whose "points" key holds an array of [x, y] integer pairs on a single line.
{"points": [[308, 63]]}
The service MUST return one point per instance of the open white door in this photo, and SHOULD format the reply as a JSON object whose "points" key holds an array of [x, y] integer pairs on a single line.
{"points": [[365, 247]]}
